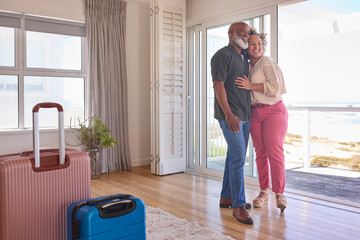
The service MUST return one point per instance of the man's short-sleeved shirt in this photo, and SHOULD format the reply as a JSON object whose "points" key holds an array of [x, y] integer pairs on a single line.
{"points": [[226, 65]]}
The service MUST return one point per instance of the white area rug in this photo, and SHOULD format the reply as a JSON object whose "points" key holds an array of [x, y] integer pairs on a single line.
{"points": [[161, 225]]}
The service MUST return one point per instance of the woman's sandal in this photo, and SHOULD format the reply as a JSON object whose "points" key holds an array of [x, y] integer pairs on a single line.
{"points": [[258, 202], [280, 201]]}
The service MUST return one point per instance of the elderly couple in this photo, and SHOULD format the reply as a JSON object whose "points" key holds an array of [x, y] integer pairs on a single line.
{"points": [[250, 95]]}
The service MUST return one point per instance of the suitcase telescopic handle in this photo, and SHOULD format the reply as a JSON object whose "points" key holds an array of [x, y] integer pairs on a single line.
{"points": [[36, 135]]}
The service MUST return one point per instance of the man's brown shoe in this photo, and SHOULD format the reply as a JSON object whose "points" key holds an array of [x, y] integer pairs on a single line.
{"points": [[242, 215], [226, 203]]}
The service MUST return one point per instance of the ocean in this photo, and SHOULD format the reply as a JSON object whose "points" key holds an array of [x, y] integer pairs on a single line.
{"points": [[334, 125]]}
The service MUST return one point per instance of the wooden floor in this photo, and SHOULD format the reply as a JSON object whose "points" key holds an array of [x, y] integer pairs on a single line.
{"points": [[196, 198]]}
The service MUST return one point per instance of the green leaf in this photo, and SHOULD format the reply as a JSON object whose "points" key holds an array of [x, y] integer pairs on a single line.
{"points": [[95, 134]]}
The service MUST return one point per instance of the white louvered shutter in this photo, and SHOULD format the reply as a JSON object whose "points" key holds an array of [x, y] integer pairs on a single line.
{"points": [[168, 86]]}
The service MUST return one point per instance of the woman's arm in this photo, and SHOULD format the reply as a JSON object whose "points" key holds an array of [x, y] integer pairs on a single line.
{"points": [[273, 79], [244, 83]]}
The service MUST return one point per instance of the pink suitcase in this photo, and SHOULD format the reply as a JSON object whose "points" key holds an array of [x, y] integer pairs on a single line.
{"points": [[35, 190]]}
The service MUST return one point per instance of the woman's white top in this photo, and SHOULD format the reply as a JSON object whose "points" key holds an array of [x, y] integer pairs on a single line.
{"points": [[267, 72]]}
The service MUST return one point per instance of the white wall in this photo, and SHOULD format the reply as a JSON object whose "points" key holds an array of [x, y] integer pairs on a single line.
{"points": [[199, 11], [138, 74], [138, 70], [66, 9]]}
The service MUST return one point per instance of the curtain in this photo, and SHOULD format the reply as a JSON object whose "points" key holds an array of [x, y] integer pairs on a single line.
{"points": [[105, 36]]}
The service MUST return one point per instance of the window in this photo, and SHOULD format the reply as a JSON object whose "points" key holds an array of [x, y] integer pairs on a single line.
{"points": [[41, 60]]}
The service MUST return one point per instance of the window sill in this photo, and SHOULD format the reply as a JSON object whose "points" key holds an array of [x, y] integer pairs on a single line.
{"points": [[30, 131]]}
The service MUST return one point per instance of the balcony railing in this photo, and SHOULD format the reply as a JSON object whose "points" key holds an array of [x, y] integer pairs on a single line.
{"points": [[342, 123], [303, 132]]}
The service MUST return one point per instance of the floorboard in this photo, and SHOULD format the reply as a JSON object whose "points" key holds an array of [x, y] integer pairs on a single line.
{"points": [[196, 198]]}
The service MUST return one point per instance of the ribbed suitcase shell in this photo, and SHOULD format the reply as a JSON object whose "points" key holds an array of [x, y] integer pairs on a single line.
{"points": [[130, 226], [33, 204]]}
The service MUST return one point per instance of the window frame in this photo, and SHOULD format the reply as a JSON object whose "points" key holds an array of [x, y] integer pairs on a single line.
{"points": [[21, 70]]}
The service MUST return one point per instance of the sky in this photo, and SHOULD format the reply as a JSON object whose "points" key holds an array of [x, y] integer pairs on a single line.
{"points": [[337, 6], [317, 52]]}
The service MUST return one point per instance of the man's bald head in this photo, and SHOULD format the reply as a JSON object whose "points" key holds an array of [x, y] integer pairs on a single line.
{"points": [[237, 26], [239, 34]]}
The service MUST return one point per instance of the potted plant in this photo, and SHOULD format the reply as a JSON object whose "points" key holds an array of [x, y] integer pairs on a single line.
{"points": [[94, 135]]}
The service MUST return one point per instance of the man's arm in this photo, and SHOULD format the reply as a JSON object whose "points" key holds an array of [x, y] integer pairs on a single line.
{"points": [[221, 97]]}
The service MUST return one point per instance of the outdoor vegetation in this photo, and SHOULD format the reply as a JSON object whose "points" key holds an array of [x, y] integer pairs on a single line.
{"points": [[352, 163], [332, 153], [214, 146]]}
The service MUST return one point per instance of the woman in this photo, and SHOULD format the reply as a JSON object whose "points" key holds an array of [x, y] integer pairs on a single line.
{"points": [[269, 119]]}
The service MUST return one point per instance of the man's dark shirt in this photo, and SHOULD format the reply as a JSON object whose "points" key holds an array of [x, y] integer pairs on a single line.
{"points": [[226, 65]]}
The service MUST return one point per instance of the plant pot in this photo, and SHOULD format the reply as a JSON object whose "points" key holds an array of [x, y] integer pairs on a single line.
{"points": [[94, 155]]}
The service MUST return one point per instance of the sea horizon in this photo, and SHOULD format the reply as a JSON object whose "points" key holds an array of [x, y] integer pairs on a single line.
{"points": [[330, 104], [337, 126]]}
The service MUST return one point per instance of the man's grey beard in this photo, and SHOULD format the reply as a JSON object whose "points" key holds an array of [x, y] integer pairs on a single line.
{"points": [[238, 40]]}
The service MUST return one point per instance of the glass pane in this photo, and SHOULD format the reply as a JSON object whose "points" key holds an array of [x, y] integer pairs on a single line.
{"points": [[69, 92], [324, 69], [198, 96], [216, 144], [217, 38], [195, 114], [7, 47], [267, 30], [45, 50], [329, 130], [262, 24], [192, 120], [256, 23], [8, 102]]}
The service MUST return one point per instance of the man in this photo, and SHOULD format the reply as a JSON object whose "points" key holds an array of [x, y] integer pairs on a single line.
{"points": [[232, 110]]}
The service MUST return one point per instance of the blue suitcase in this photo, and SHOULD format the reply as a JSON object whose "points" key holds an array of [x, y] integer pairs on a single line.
{"points": [[112, 217]]}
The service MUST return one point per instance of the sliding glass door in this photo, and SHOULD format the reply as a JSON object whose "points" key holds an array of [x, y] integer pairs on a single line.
{"points": [[207, 146]]}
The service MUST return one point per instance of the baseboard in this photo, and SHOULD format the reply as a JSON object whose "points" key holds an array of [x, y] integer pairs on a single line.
{"points": [[140, 162]]}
